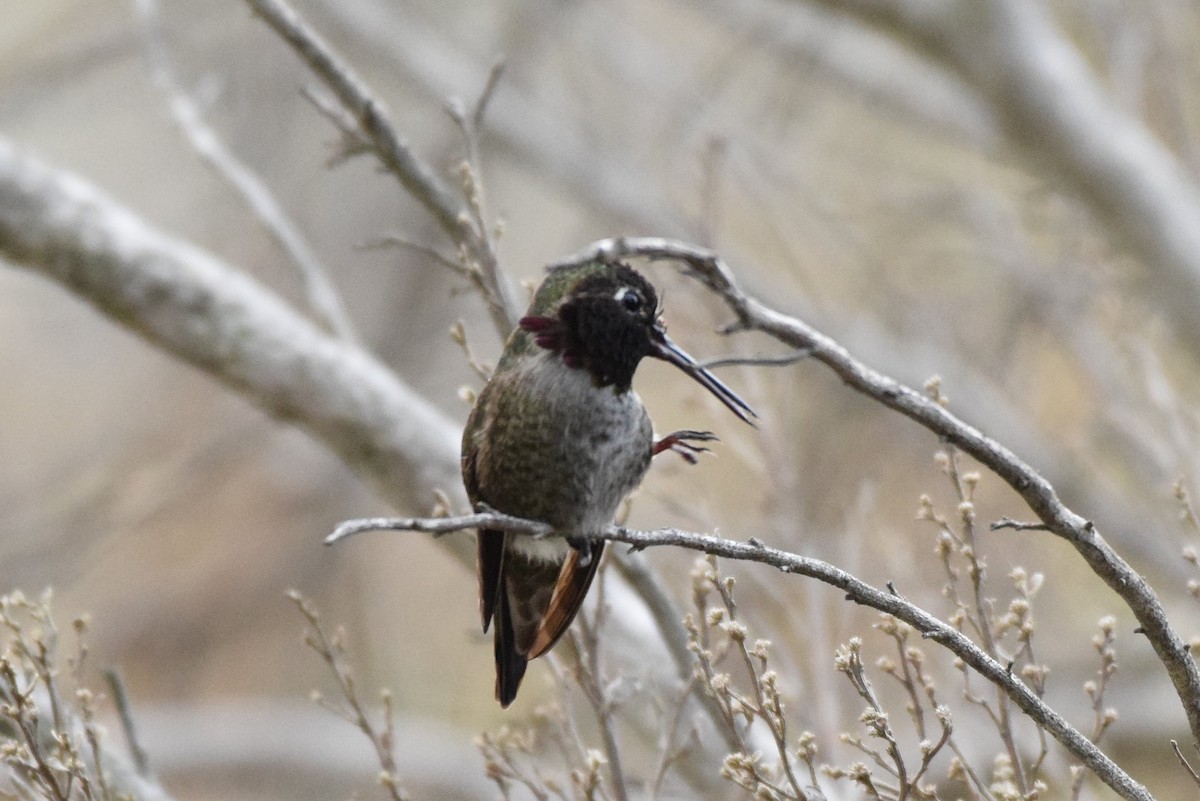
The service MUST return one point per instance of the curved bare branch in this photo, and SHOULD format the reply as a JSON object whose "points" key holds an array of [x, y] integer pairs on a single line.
{"points": [[856, 590], [453, 216], [213, 316], [210, 315], [1053, 110], [1036, 491]]}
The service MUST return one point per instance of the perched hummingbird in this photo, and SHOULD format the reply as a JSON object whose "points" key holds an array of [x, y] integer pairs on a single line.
{"points": [[559, 436]]}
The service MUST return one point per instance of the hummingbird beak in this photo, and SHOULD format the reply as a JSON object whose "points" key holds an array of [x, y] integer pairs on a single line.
{"points": [[661, 347]]}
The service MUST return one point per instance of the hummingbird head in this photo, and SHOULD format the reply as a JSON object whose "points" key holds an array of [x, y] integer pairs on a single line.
{"points": [[604, 317]]}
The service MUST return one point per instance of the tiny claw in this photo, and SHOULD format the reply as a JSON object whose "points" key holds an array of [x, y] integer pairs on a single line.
{"points": [[688, 433], [585, 547], [677, 441]]}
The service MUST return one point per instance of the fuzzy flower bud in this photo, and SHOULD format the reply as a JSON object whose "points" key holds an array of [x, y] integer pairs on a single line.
{"points": [[736, 631]]}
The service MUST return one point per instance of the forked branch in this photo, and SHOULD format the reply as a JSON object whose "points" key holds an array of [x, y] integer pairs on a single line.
{"points": [[752, 315], [458, 219]]}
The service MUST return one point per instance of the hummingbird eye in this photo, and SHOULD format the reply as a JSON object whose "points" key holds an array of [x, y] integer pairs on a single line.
{"points": [[630, 299]]}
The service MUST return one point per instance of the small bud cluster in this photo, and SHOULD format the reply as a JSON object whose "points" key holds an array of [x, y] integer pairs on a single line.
{"points": [[746, 708], [51, 743]]}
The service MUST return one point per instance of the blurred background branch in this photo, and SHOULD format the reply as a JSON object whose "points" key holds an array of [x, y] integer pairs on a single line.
{"points": [[207, 143], [1056, 116], [1000, 194]]}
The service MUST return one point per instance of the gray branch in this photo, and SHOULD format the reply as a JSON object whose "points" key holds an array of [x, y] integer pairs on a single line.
{"points": [[438, 526], [212, 316], [1034, 489], [397, 156], [855, 589], [321, 293], [1053, 109]]}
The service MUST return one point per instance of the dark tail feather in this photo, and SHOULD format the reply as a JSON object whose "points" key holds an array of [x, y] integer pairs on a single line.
{"points": [[510, 665], [490, 568]]}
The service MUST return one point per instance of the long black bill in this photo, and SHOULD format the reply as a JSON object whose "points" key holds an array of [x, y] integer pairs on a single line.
{"points": [[663, 348]]}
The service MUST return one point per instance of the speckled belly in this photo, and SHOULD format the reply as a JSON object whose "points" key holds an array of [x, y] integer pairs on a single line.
{"points": [[583, 452]]}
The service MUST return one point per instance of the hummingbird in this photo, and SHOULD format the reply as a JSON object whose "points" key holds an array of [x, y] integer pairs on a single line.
{"points": [[558, 435]]}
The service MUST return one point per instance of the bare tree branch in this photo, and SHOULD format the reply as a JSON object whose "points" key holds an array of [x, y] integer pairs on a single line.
{"points": [[213, 317], [210, 315], [856, 590], [205, 312], [1052, 108], [547, 142], [454, 217], [1184, 762], [1037, 492], [321, 294], [393, 150], [137, 754], [442, 525]]}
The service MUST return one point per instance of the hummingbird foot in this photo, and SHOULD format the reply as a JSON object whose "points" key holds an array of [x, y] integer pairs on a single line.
{"points": [[586, 548], [678, 441]]}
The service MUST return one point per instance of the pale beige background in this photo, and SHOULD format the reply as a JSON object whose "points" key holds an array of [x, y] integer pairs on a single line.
{"points": [[847, 180]]}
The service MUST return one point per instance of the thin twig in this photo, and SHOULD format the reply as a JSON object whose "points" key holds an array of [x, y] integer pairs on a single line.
{"points": [[116, 686], [1095, 690], [322, 296], [368, 112], [767, 705], [668, 752], [395, 240], [977, 572], [331, 651], [848, 660], [1017, 525], [1187, 512], [666, 613], [483, 261], [798, 355], [709, 269], [1183, 761], [353, 142], [439, 526], [586, 640], [856, 590], [457, 219], [458, 333], [899, 634], [485, 97]]}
